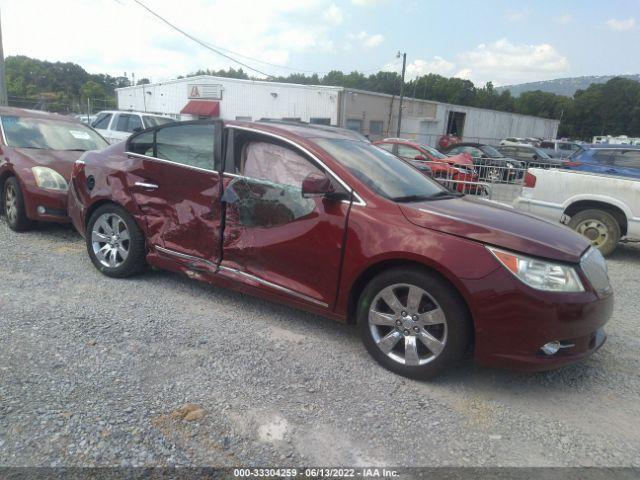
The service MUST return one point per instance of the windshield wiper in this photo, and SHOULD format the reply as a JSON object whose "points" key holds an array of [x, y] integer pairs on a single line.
{"points": [[443, 194], [74, 150]]}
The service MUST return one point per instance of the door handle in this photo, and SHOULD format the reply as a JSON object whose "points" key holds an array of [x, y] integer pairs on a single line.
{"points": [[150, 186]]}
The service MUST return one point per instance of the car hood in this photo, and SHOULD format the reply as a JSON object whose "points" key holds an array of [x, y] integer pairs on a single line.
{"points": [[59, 160], [487, 222], [459, 159]]}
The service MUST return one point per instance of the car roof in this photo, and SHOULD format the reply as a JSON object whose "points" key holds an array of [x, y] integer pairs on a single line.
{"points": [[611, 146], [300, 129], [134, 112], [398, 140], [467, 144], [23, 112]]}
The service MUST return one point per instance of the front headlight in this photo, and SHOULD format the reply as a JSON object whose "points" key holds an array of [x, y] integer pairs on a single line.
{"points": [[509, 165], [49, 179], [539, 274]]}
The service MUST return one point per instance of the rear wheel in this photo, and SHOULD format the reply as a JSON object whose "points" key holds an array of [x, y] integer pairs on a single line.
{"points": [[599, 227], [413, 323], [115, 244], [14, 208], [493, 174]]}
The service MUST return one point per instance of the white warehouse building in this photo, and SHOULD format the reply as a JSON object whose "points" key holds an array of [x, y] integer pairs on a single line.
{"points": [[373, 114]]}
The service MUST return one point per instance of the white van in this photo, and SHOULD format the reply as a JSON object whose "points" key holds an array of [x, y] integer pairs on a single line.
{"points": [[116, 126]]}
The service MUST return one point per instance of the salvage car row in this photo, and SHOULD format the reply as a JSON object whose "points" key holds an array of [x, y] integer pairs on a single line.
{"points": [[322, 220]]}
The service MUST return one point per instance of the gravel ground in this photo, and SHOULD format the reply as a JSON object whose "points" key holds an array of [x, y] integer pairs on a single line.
{"points": [[93, 371]]}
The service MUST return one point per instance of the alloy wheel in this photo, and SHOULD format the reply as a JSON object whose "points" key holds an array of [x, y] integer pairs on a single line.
{"points": [[11, 203], [110, 240], [407, 324], [594, 230], [493, 175]]}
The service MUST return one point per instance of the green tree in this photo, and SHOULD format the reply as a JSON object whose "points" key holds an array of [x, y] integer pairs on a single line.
{"points": [[92, 89]]}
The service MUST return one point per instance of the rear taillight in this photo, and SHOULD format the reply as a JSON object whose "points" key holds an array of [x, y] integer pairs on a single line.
{"points": [[530, 180], [571, 164]]}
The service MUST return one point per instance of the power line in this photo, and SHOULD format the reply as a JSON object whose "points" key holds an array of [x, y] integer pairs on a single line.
{"points": [[217, 49], [200, 42]]}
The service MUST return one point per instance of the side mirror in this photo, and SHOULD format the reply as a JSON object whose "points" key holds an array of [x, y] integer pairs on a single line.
{"points": [[420, 157], [535, 156], [316, 185]]}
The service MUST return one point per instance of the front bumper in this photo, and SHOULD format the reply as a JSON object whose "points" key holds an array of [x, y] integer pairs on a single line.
{"points": [[45, 205], [513, 322]]}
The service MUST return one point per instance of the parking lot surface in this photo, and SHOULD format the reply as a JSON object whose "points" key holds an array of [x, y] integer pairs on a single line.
{"points": [[94, 371]]}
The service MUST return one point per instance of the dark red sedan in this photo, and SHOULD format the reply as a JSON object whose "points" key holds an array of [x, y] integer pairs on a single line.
{"points": [[321, 220], [37, 153]]}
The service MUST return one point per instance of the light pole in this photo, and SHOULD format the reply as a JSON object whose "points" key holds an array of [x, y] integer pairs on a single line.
{"points": [[404, 64], [3, 85]]}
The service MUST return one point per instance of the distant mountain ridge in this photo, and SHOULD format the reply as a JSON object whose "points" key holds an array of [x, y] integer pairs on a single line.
{"points": [[563, 86]]}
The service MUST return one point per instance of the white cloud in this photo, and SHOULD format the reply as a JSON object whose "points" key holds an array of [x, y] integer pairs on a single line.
{"points": [[420, 67], [504, 63], [621, 25], [365, 39], [333, 15], [465, 73], [124, 37], [564, 19], [365, 3], [517, 16]]}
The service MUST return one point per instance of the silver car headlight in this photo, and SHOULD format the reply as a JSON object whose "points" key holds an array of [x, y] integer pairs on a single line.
{"points": [[49, 179], [539, 274], [509, 165]]}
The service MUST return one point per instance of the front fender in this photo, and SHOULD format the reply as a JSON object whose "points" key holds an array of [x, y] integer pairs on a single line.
{"points": [[375, 238]]}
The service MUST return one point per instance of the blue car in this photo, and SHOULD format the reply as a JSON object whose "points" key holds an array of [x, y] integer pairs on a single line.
{"points": [[622, 160]]}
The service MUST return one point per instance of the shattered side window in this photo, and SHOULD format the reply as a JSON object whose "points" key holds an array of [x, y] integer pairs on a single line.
{"points": [[269, 192], [260, 203]]}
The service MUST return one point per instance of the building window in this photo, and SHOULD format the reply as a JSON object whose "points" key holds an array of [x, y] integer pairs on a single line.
{"points": [[354, 124], [320, 121], [291, 119], [240, 118], [376, 127]]}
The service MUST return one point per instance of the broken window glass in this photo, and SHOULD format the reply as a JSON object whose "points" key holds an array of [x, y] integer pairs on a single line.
{"points": [[261, 203], [269, 193]]}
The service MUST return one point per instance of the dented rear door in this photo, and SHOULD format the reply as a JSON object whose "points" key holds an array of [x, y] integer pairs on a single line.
{"points": [[177, 187]]}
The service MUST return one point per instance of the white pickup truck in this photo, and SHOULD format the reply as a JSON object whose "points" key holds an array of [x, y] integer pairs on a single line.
{"points": [[603, 208]]}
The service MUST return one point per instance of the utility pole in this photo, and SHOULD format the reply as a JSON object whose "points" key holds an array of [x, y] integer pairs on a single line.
{"points": [[404, 65], [3, 85]]}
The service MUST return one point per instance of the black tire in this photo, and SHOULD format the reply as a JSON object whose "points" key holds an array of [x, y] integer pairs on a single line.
{"points": [[458, 323], [492, 174], [599, 227], [135, 261], [13, 206]]}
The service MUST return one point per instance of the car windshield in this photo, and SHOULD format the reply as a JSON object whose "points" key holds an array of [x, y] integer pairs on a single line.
{"points": [[577, 152], [542, 153], [491, 152], [49, 134], [383, 172], [433, 152], [152, 121]]}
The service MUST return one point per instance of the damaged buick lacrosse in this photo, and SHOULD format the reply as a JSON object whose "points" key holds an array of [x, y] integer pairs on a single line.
{"points": [[320, 219]]}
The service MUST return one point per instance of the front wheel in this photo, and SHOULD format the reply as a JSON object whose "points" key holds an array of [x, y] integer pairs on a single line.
{"points": [[600, 227], [115, 244], [14, 207], [413, 323]]}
